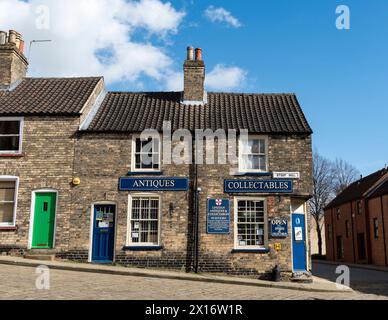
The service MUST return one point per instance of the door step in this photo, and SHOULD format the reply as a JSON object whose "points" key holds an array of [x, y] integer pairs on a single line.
{"points": [[44, 257]]}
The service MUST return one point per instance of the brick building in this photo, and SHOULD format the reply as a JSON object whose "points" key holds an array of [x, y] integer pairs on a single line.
{"points": [[73, 182], [356, 222]]}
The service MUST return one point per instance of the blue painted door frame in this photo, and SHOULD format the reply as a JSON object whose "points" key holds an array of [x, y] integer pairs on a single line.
{"points": [[299, 261], [103, 233]]}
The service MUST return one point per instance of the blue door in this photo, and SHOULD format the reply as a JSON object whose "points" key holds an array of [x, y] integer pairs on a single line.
{"points": [[103, 233], [298, 242]]}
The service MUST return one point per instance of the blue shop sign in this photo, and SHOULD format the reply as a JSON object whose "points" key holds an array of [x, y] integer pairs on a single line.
{"points": [[153, 184], [218, 216], [279, 228], [258, 186]]}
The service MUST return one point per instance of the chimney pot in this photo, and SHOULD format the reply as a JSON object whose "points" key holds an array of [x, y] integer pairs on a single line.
{"points": [[190, 53], [12, 36], [3, 37], [198, 54]]}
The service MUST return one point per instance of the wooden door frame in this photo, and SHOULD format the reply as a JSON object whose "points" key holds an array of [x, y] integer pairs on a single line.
{"points": [[96, 203], [32, 214]]}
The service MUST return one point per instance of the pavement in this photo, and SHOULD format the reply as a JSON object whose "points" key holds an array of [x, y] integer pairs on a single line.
{"points": [[20, 279], [318, 284], [363, 278]]}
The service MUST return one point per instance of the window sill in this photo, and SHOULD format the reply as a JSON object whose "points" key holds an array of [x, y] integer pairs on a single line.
{"points": [[12, 155], [142, 248], [253, 174], [263, 250], [10, 228], [134, 173]]}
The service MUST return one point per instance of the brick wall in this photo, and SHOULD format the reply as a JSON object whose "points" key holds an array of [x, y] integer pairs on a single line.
{"points": [[47, 162], [194, 80], [378, 209], [13, 65]]}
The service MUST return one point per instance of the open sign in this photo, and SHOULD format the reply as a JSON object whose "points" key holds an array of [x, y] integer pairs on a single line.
{"points": [[279, 228]]}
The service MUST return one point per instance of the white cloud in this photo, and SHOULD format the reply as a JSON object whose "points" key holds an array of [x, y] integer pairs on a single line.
{"points": [[95, 37], [221, 15], [225, 78]]}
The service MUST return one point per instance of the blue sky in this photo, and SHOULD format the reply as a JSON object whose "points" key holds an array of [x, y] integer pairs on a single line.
{"points": [[339, 76]]}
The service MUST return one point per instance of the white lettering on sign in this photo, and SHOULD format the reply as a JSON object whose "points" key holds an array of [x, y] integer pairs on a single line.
{"points": [[286, 175], [267, 185], [154, 183]]}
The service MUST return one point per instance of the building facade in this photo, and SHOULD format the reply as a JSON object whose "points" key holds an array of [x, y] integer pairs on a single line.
{"points": [[115, 177], [356, 222]]}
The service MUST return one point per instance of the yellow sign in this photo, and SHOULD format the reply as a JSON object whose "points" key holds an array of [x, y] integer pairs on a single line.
{"points": [[278, 246]]}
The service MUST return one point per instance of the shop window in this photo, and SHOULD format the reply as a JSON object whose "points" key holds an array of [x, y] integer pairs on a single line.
{"points": [[251, 226], [11, 135], [8, 196], [253, 155], [144, 213], [146, 154], [376, 228]]}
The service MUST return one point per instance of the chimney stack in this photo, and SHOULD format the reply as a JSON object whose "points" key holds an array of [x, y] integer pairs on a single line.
{"points": [[13, 63], [194, 77]]}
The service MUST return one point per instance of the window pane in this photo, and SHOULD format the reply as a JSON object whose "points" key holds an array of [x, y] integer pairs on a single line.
{"points": [[7, 190], [9, 127], [250, 223], [146, 229], [253, 162], [6, 213], [9, 143], [138, 145]]}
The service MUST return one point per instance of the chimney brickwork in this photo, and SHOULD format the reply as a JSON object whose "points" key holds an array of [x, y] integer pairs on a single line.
{"points": [[194, 76], [13, 63]]}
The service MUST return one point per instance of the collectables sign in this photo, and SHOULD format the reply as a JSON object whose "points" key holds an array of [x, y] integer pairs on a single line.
{"points": [[258, 186]]}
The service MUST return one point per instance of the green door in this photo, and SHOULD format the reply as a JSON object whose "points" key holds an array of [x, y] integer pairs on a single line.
{"points": [[44, 217]]}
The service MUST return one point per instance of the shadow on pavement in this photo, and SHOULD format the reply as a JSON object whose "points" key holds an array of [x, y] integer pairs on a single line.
{"points": [[363, 280]]}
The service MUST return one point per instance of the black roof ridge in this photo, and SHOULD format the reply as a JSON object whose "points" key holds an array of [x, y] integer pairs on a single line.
{"points": [[63, 78], [334, 202], [209, 92]]}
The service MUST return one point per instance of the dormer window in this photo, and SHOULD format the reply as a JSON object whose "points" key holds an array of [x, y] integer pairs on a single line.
{"points": [[11, 135], [253, 154]]}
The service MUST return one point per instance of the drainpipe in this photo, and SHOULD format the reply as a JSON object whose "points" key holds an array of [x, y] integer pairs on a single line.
{"points": [[382, 218], [196, 225], [195, 208]]}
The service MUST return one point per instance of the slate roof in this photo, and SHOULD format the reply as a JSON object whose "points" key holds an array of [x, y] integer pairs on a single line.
{"points": [[380, 191], [358, 189], [47, 96], [258, 113]]}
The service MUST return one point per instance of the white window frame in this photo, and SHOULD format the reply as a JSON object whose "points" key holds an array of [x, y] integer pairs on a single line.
{"points": [[133, 156], [266, 231], [243, 170], [129, 242], [21, 125], [15, 201]]}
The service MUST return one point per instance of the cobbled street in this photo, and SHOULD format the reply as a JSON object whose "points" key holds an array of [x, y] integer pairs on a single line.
{"points": [[18, 282]]}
